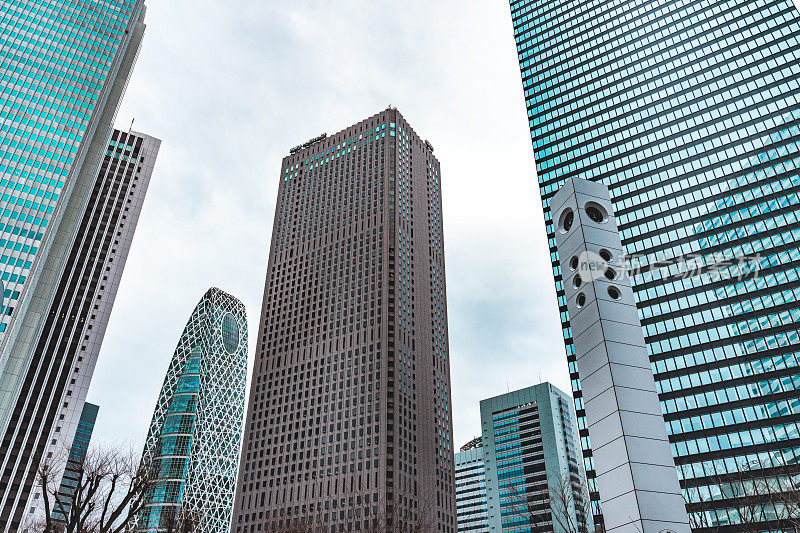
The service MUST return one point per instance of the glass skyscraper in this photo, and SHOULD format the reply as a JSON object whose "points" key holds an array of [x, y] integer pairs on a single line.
{"points": [[64, 66], [62, 504], [689, 111], [534, 478], [46, 411], [59, 62], [194, 437]]}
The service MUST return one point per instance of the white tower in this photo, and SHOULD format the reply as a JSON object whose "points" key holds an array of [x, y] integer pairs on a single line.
{"points": [[636, 475]]}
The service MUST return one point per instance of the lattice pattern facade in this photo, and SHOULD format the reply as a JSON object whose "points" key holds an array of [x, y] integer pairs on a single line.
{"points": [[194, 437]]}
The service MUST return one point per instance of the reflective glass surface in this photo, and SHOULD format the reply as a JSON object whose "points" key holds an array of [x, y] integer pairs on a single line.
{"points": [[55, 58], [195, 434], [689, 112]]}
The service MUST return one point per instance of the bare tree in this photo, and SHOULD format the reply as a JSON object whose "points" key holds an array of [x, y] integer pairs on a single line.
{"points": [[697, 507], [754, 497], [570, 504], [184, 521], [789, 498], [534, 511], [565, 504], [110, 489]]}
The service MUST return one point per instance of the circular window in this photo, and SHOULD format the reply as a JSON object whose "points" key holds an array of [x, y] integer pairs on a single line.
{"points": [[230, 333], [573, 263], [606, 255], [581, 300], [577, 281], [566, 219], [596, 212], [610, 273], [614, 293]]}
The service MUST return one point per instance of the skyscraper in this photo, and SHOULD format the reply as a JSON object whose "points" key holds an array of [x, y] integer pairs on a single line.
{"points": [[689, 113], [349, 419], [193, 442], [534, 477], [472, 513], [44, 411], [64, 67], [62, 503]]}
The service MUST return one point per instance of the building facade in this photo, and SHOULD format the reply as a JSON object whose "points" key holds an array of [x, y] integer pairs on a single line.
{"points": [[194, 438], [62, 503], [64, 68], [46, 410], [535, 479], [349, 423], [471, 510], [689, 112]]}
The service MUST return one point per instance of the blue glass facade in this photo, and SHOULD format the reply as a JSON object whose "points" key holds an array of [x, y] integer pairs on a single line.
{"points": [[175, 444], [62, 505], [63, 68], [55, 61], [689, 112], [194, 438], [534, 479]]}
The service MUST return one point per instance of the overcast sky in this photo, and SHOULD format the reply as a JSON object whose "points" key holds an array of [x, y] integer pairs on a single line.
{"points": [[230, 86]]}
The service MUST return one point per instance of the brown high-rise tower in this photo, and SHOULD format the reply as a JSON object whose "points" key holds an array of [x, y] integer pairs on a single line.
{"points": [[349, 422]]}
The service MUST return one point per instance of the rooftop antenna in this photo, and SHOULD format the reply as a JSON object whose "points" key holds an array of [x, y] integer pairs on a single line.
{"points": [[131, 128]]}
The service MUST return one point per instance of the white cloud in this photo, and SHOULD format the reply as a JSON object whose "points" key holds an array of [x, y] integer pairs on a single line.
{"points": [[231, 86]]}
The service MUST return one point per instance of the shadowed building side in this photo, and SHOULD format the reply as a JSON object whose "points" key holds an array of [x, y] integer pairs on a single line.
{"points": [[46, 411]]}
